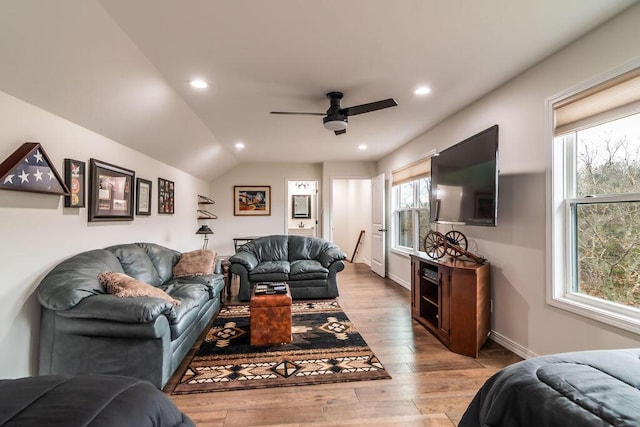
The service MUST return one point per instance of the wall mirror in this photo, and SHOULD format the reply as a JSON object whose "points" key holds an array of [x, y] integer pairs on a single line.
{"points": [[301, 206]]}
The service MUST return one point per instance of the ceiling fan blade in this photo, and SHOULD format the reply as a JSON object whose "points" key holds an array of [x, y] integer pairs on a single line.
{"points": [[297, 113], [340, 132], [366, 108]]}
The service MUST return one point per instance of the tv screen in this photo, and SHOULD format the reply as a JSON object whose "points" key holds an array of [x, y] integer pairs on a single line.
{"points": [[464, 181]]}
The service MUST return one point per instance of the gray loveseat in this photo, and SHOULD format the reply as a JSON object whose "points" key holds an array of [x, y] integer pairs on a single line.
{"points": [[85, 330], [310, 265]]}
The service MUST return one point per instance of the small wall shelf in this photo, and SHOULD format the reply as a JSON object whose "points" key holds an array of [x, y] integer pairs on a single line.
{"points": [[203, 201]]}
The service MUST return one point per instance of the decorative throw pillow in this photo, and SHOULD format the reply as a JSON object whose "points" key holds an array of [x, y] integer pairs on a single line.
{"points": [[195, 263], [121, 285]]}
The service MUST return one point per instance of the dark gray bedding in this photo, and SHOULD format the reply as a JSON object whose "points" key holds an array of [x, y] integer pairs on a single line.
{"points": [[590, 388], [88, 400]]}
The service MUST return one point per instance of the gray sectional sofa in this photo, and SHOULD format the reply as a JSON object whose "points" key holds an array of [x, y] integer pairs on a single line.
{"points": [[85, 330], [310, 265]]}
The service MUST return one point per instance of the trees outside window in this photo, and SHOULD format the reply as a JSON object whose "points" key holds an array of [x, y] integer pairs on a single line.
{"points": [[605, 208]]}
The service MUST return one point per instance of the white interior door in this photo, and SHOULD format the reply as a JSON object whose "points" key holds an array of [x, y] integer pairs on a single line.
{"points": [[378, 255]]}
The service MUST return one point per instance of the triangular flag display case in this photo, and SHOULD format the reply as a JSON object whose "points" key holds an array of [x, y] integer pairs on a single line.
{"points": [[29, 169]]}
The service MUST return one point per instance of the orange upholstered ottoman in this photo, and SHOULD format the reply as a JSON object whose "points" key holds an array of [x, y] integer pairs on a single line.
{"points": [[270, 318]]}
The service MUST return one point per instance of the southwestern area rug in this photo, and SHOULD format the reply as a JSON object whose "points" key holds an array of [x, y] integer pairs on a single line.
{"points": [[326, 348]]}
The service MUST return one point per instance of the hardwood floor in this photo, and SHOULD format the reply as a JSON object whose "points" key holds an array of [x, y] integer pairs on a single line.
{"points": [[430, 386]]}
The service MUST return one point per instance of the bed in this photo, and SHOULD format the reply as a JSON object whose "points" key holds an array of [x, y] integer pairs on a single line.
{"points": [[87, 400], [589, 388]]}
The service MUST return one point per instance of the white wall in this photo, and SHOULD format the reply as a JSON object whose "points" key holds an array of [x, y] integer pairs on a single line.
{"points": [[352, 214], [516, 247], [37, 232], [228, 226]]}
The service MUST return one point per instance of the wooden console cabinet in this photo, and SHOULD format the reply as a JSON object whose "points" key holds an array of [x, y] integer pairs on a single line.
{"points": [[452, 299]]}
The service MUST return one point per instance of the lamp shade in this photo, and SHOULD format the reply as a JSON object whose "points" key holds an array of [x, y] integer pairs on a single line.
{"points": [[204, 230], [335, 124]]}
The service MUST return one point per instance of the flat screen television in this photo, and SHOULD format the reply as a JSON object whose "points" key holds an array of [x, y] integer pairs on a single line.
{"points": [[464, 181]]}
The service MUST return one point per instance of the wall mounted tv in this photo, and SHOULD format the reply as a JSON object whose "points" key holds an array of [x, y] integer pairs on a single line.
{"points": [[464, 181]]}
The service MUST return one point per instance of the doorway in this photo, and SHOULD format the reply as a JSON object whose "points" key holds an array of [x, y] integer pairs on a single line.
{"points": [[351, 214], [302, 208]]}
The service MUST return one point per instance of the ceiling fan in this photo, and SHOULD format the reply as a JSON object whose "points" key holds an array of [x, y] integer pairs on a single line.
{"points": [[336, 118]]}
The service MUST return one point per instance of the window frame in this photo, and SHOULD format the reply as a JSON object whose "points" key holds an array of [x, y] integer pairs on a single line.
{"points": [[415, 217], [561, 232]]}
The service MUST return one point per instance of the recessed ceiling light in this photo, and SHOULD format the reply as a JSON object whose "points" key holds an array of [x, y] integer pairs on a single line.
{"points": [[239, 145], [362, 147], [199, 84], [422, 90]]}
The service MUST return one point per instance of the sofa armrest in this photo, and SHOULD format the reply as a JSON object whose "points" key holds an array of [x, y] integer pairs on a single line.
{"points": [[330, 256], [247, 259], [125, 310]]}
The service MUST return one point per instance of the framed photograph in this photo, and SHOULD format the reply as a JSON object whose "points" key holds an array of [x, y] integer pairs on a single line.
{"points": [[166, 196], [143, 197], [74, 179], [110, 192], [251, 200]]}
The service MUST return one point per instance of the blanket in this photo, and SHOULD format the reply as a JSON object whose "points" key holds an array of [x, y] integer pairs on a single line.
{"points": [[590, 388]]}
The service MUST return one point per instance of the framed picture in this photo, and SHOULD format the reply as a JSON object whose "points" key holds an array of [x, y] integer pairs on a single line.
{"points": [[143, 197], [74, 179], [166, 196], [110, 192], [251, 200]]}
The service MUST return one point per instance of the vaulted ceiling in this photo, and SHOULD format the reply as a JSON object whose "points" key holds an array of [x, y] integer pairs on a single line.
{"points": [[122, 68]]}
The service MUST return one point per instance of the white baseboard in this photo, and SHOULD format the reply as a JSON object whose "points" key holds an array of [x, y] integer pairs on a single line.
{"points": [[399, 281], [521, 351]]}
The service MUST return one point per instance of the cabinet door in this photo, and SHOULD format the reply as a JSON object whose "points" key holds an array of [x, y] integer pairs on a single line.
{"points": [[464, 318], [415, 287], [444, 274]]}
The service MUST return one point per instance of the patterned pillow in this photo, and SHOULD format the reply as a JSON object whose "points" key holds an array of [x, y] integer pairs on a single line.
{"points": [[195, 263], [121, 285]]}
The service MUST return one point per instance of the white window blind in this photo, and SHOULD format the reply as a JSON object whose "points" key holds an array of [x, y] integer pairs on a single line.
{"points": [[617, 97], [418, 169]]}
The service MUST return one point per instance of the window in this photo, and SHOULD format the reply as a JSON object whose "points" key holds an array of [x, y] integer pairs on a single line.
{"points": [[595, 202], [410, 214]]}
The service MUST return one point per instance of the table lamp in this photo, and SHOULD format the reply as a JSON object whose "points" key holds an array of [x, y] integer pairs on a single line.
{"points": [[206, 231]]}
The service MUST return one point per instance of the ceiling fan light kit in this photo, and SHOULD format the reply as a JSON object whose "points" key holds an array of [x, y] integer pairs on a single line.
{"points": [[335, 124], [336, 118]]}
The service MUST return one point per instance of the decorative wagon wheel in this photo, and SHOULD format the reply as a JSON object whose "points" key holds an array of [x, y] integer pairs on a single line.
{"points": [[434, 244], [458, 239]]}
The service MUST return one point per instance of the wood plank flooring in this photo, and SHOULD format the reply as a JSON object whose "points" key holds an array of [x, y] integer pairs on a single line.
{"points": [[430, 386]]}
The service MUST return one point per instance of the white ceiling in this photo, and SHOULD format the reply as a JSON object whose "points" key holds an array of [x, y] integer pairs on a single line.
{"points": [[121, 68]]}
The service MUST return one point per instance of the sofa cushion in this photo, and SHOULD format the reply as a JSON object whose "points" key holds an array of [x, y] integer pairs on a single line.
{"points": [[195, 263], [270, 248], [270, 271], [307, 270], [75, 279], [124, 286], [136, 263], [162, 258], [302, 247], [272, 267], [193, 296]]}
